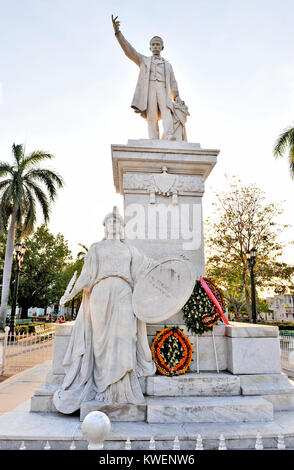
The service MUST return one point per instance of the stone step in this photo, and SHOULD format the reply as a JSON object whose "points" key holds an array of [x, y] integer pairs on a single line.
{"points": [[117, 412], [60, 430], [193, 384], [266, 384], [208, 410]]}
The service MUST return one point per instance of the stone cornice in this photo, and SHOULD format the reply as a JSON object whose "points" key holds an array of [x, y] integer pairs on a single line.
{"points": [[185, 160]]}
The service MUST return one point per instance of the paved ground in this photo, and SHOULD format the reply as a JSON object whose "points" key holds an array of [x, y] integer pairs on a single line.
{"points": [[20, 387]]}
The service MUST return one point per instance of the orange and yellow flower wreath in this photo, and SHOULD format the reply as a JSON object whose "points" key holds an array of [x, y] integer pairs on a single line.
{"points": [[178, 361]]}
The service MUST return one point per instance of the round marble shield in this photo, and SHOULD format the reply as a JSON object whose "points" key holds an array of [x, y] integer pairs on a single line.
{"points": [[163, 290]]}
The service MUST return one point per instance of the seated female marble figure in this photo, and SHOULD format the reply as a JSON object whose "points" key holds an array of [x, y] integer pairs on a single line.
{"points": [[108, 349]]}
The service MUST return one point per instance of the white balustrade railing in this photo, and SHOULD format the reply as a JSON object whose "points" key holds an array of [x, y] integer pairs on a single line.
{"points": [[287, 354], [152, 445], [25, 350]]}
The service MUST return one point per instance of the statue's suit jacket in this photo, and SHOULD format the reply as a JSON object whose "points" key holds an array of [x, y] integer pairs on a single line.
{"points": [[140, 99]]}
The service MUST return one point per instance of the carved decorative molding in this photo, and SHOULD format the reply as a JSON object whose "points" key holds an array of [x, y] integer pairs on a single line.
{"points": [[164, 184]]}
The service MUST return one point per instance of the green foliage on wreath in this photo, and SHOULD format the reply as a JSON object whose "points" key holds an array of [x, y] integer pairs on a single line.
{"points": [[172, 350], [199, 304]]}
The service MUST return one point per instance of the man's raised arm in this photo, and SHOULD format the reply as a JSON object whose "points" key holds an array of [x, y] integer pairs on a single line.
{"points": [[129, 50]]}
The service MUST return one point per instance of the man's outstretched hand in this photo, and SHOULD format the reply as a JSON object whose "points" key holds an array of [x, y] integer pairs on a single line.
{"points": [[115, 24]]}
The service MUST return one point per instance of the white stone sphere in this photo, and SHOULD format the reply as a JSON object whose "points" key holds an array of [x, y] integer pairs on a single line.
{"points": [[96, 427]]}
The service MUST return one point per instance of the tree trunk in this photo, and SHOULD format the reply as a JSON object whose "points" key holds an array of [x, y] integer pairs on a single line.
{"points": [[248, 304], [24, 311], [7, 270]]}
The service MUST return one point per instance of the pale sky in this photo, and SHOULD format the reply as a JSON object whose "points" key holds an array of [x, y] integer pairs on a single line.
{"points": [[66, 87]]}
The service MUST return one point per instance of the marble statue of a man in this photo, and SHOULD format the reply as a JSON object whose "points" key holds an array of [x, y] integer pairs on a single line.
{"points": [[108, 349], [156, 95]]}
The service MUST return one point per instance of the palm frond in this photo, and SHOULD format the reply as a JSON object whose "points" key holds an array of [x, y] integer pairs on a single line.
{"points": [[6, 207], [51, 180], [291, 161], [17, 194], [4, 183], [41, 198], [285, 140], [17, 152], [25, 185], [29, 214], [5, 169], [35, 157]]}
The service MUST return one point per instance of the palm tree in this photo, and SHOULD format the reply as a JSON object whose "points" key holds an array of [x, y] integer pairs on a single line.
{"points": [[23, 184], [283, 143]]}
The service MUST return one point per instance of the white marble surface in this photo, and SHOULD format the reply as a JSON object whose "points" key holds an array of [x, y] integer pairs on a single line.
{"points": [[36, 428], [22, 425], [282, 402], [116, 412], [42, 404], [140, 163], [207, 359], [64, 329], [266, 384], [156, 94], [191, 384], [96, 428], [163, 144], [218, 330], [45, 390], [60, 348], [208, 409], [250, 330], [54, 379], [151, 158], [162, 291], [253, 355]]}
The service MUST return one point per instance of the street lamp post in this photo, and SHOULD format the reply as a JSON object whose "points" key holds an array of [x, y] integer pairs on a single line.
{"points": [[251, 259], [19, 254]]}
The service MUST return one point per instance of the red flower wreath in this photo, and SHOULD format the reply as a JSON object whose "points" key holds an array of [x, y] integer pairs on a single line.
{"points": [[183, 352]]}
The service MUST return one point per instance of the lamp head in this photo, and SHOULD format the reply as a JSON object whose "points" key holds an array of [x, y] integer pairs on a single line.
{"points": [[253, 252]]}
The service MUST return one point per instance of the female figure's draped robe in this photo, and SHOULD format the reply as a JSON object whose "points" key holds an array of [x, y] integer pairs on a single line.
{"points": [[108, 350]]}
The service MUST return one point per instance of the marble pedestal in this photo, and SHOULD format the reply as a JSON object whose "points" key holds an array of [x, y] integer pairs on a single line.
{"points": [[162, 184], [159, 178], [251, 371]]}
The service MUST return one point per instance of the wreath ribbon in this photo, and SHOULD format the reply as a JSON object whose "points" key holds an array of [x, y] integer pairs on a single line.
{"points": [[213, 298]]}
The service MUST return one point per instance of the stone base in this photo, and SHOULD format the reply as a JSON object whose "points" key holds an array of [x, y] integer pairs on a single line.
{"points": [[273, 384], [253, 393], [192, 384], [60, 430], [125, 413], [276, 388], [208, 410], [42, 404]]}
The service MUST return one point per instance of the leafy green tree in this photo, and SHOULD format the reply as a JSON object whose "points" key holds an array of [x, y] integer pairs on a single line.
{"points": [[263, 307], [241, 220], [285, 143], [46, 270], [23, 185]]}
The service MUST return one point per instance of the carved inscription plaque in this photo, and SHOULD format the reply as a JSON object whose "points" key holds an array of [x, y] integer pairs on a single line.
{"points": [[163, 291]]}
